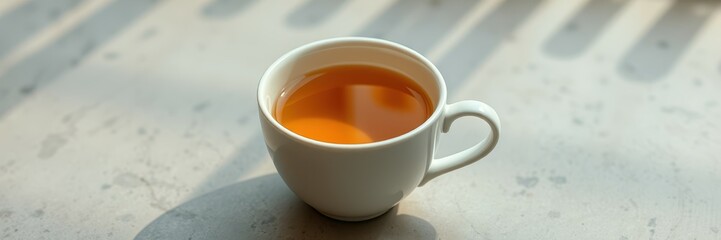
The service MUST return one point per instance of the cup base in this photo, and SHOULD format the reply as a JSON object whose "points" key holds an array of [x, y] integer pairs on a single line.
{"points": [[355, 219]]}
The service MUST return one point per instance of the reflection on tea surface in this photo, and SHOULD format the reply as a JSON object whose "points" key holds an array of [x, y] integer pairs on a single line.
{"points": [[353, 104]]}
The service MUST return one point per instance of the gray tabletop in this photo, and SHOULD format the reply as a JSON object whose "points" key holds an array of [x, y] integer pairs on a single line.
{"points": [[137, 119]]}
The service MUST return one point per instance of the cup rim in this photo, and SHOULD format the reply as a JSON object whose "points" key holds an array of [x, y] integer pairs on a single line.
{"points": [[440, 83]]}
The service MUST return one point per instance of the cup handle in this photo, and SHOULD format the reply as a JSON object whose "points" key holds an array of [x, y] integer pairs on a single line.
{"points": [[474, 153]]}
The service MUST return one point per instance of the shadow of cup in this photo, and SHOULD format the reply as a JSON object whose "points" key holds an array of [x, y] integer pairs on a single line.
{"points": [[264, 208]]}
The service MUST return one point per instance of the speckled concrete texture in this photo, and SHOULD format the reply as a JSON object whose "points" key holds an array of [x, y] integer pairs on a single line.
{"points": [[137, 119]]}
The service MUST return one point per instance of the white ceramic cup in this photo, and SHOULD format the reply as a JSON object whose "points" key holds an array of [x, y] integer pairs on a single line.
{"points": [[355, 182]]}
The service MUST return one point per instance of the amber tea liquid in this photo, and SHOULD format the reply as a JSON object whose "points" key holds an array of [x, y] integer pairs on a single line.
{"points": [[353, 104]]}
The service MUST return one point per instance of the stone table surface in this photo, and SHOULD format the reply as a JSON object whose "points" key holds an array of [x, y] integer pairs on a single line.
{"points": [[125, 119]]}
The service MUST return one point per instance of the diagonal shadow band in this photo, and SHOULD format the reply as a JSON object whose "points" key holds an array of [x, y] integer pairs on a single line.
{"points": [[67, 51], [417, 24], [25, 20], [220, 9], [264, 208], [656, 53], [483, 39], [313, 12], [583, 28]]}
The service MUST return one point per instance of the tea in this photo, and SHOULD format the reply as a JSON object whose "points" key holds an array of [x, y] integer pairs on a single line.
{"points": [[353, 104]]}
